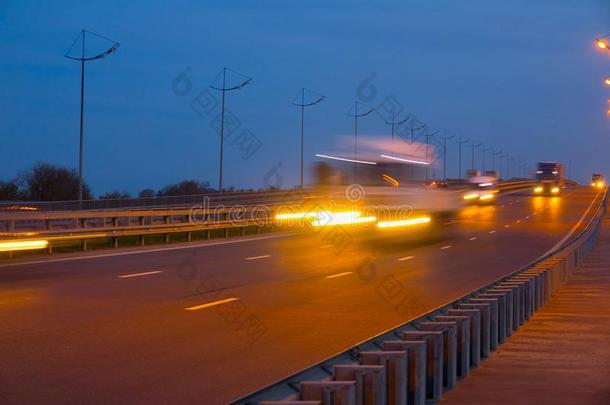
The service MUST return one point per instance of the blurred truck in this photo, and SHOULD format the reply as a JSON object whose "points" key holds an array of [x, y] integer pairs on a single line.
{"points": [[373, 194], [597, 180], [549, 178]]}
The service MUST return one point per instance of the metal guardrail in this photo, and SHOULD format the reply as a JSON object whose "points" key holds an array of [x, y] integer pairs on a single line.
{"points": [[148, 202], [417, 361], [83, 225]]}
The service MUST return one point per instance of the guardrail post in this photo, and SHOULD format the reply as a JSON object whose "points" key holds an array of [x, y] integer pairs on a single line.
{"points": [[329, 392], [463, 342], [528, 295], [510, 307], [47, 224], [434, 360], [475, 332], [485, 310], [449, 330], [519, 298], [166, 237], [187, 236], [50, 248], [115, 242], [505, 305], [83, 244], [395, 364], [536, 288], [416, 364], [494, 313], [370, 381]]}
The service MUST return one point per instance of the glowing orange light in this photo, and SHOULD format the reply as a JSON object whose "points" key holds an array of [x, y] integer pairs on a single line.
{"points": [[23, 245], [555, 190], [486, 197], [607, 81], [341, 218], [471, 196], [390, 180], [405, 222], [602, 44]]}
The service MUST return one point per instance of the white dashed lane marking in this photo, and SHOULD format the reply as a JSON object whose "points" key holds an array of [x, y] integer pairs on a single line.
{"points": [[346, 273], [146, 273], [257, 257]]}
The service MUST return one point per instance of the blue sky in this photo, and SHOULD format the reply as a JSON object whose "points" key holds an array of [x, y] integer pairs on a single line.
{"points": [[520, 76]]}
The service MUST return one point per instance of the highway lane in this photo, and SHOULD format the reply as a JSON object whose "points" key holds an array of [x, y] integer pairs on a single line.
{"points": [[80, 330]]}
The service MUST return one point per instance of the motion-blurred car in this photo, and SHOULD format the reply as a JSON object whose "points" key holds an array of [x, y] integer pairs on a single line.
{"points": [[481, 190]]}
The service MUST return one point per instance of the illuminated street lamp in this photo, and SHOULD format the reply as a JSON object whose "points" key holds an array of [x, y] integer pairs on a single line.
{"points": [[602, 42], [607, 81]]}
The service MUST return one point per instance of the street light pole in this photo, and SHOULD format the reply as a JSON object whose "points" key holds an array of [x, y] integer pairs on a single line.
{"points": [[445, 139], [473, 147], [493, 157], [483, 163], [302, 104], [428, 135], [356, 115], [82, 58], [393, 123], [223, 90], [460, 143]]}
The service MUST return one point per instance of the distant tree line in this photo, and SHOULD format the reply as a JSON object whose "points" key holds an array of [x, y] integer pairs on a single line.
{"points": [[47, 182]]}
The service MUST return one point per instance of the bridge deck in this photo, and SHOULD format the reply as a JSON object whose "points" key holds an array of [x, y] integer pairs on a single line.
{"points": [[562, 355]]}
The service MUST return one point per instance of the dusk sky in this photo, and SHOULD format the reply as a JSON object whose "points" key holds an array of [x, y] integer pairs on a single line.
{"points": [[522, 76]]}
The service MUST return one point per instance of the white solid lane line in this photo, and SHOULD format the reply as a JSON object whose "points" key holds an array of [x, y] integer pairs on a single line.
{"points": [[517, 221], [339, 274], [211, 304], [146, 273], [402, 259], [492, 231], [257, 257], [445, 247], [473, 238], [507, 226]]}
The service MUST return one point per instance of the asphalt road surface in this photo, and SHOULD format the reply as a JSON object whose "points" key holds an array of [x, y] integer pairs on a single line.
{"points": [[209, 322]]}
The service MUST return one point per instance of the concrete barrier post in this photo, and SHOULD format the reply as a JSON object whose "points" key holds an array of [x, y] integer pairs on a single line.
{"points": [[529, 294], [370, 381], [485, 325], [395, 364], [510, 307], [434, 360], [416, 365], [503, 309], [516, 289], [329, 392], [522, 293], [493, 318], [295, 402], [463, 342], [475, 332], [449, 330]]}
